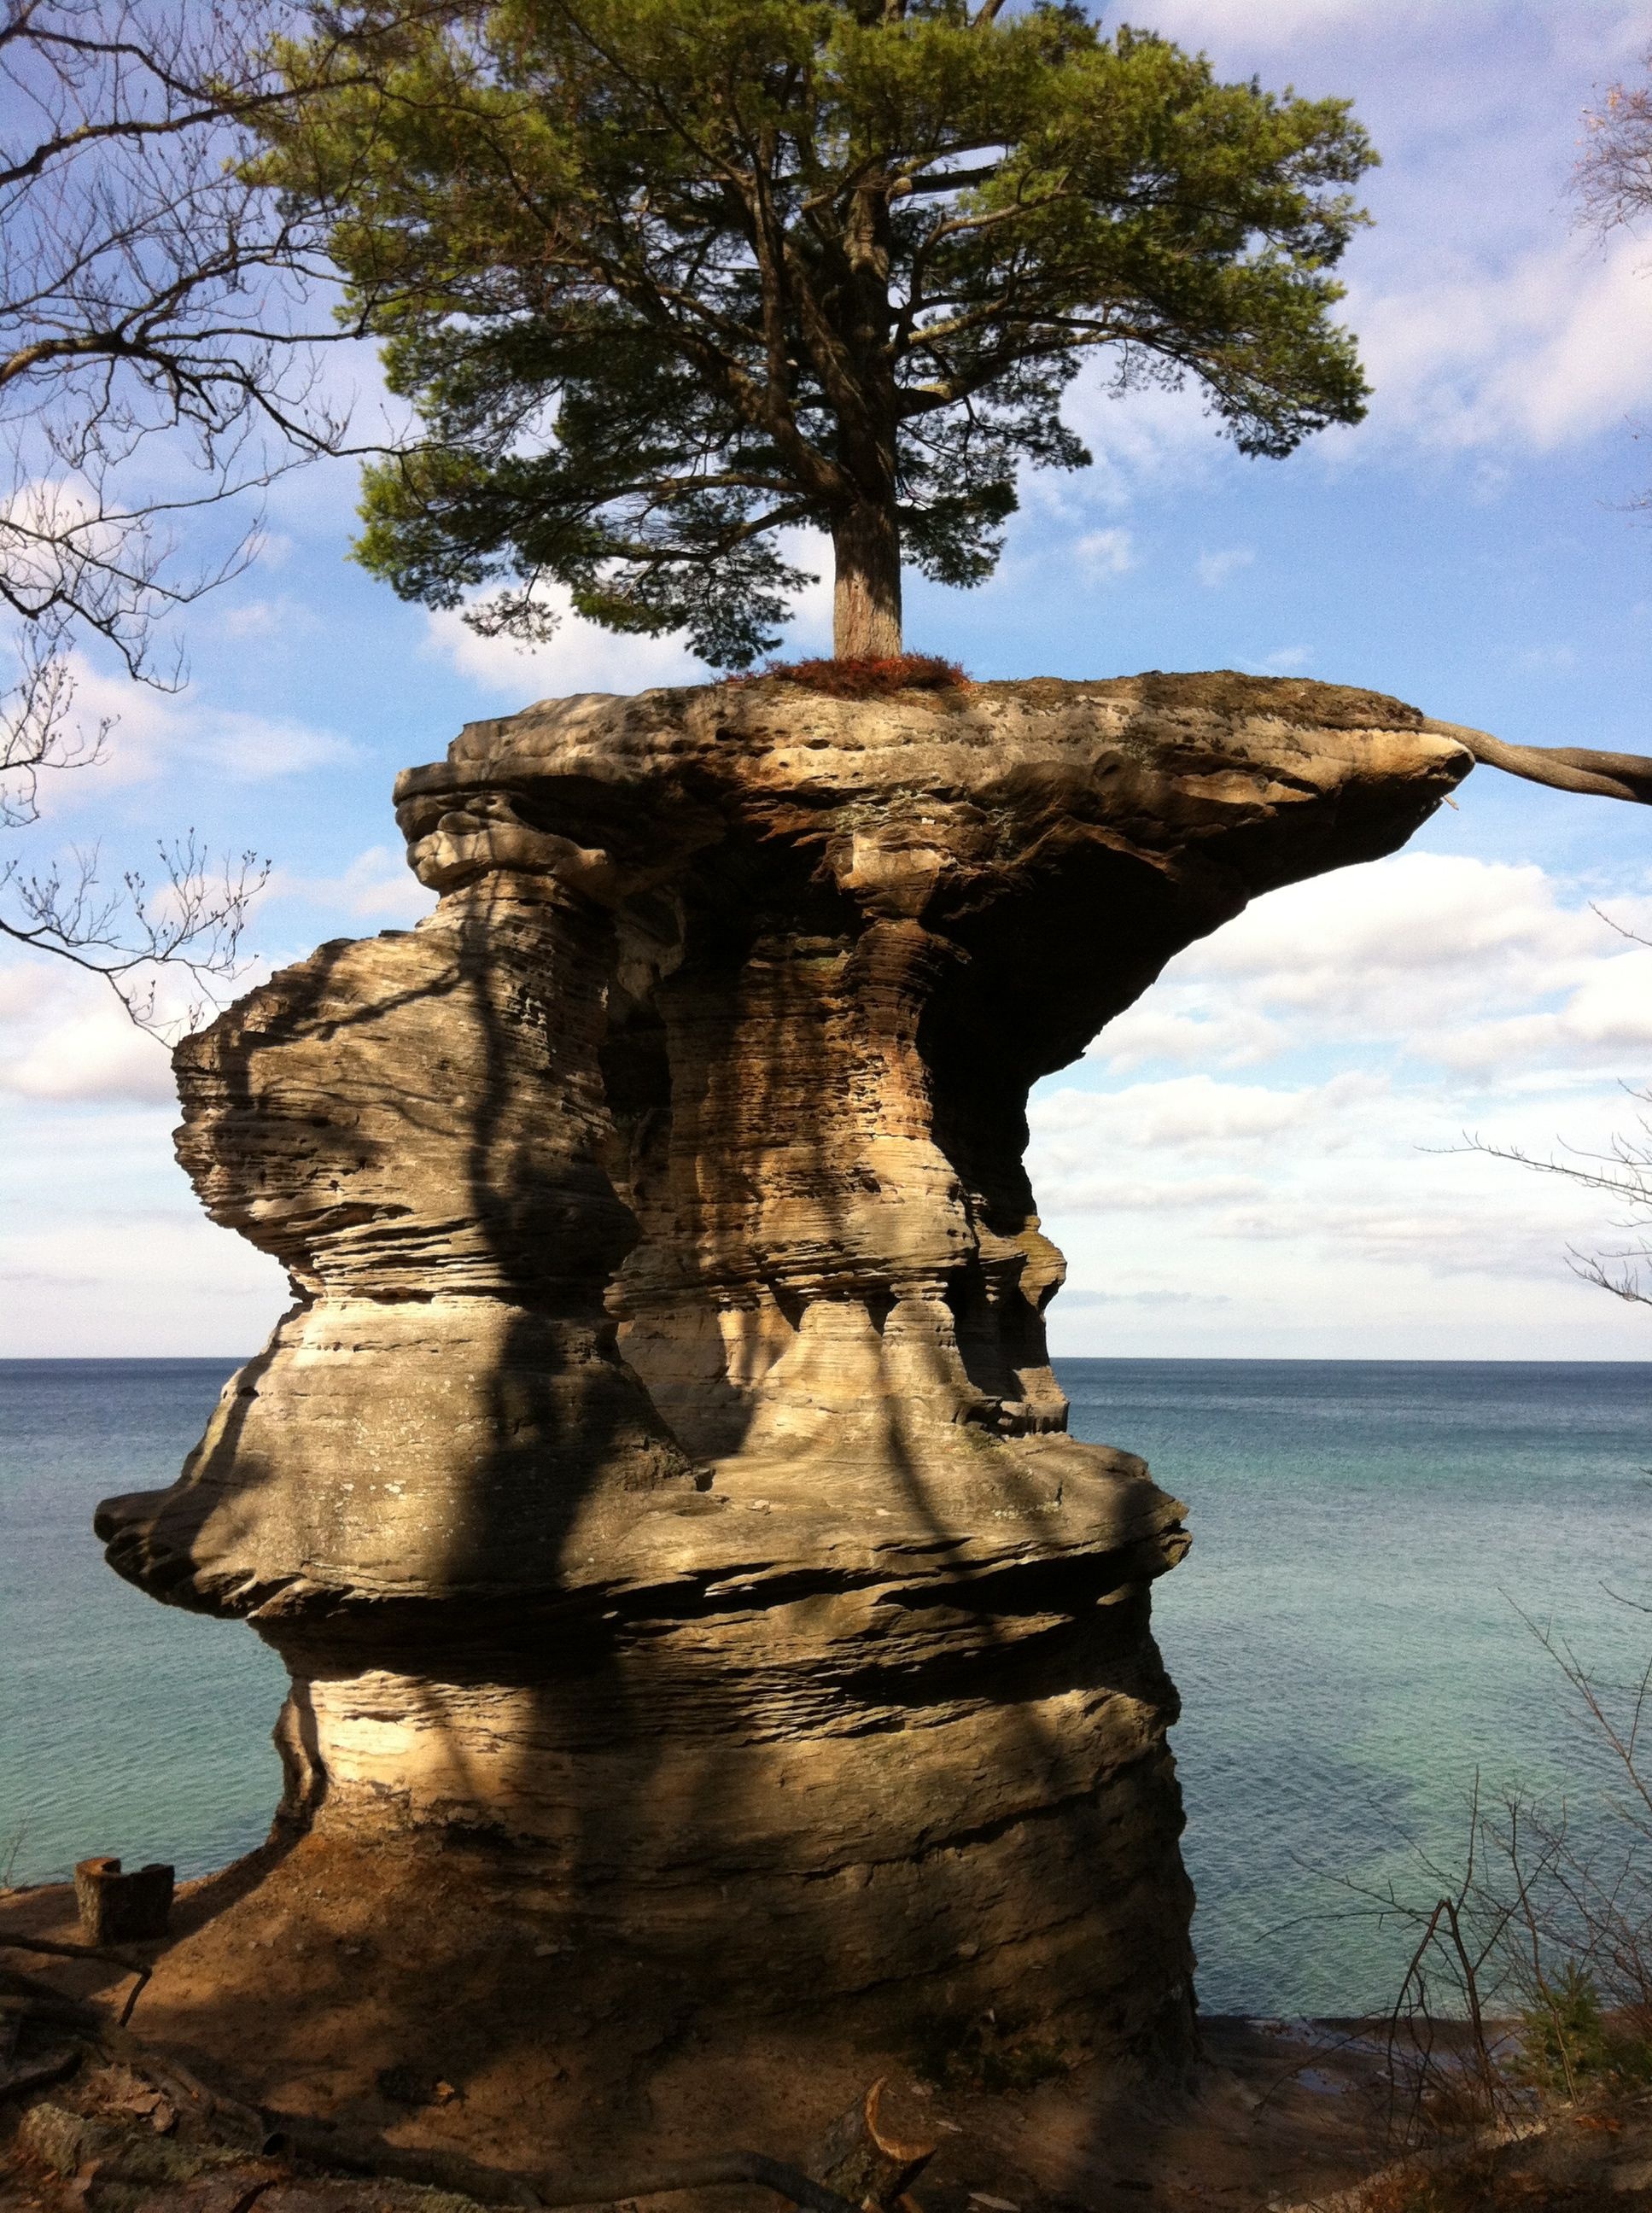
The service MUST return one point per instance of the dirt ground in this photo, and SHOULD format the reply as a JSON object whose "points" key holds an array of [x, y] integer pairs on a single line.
{"points": [[433, 2008]]}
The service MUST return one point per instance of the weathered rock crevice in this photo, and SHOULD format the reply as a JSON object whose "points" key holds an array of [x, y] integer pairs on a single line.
{"points": [[662, 1472]]}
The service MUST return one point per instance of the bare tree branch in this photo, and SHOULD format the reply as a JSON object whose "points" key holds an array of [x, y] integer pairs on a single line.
{"points": [[1613, 175], [1623, 1172], [128, 933], [159, 320]]}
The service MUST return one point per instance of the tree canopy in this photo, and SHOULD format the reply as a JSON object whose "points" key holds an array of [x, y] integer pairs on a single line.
{"points": [[664, 279]]}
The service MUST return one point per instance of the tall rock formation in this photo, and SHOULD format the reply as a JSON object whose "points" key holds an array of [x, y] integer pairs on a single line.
{"points": [[660, 1473]]}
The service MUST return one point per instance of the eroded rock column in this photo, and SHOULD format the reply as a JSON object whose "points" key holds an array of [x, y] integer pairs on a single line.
{"points": [[662, 1472]]}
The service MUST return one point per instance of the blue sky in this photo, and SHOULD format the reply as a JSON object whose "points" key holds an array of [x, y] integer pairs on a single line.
{"points": [[1250, 1162]]}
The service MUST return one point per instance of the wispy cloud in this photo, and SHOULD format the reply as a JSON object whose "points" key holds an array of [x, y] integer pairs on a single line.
{"points": [[378, 886], [1215, 569], [1283, 1118], [1548, 347], [64, 1039], [153, 735], [580, 657], [1483, 968], [1107, 552]]}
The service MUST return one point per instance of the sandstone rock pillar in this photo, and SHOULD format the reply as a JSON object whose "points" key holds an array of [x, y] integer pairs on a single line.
{"points": [[660, 1473]]}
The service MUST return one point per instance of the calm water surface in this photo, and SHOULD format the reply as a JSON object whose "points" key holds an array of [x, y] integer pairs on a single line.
{"points": [[124, 1726], [1344, 1633]]}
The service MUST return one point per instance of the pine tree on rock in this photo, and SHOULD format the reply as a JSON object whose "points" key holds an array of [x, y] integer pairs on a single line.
{"points": [[666, 279]]}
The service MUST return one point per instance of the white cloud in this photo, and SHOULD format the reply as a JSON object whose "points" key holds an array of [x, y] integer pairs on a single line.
{"points": [[1605, 1022], [286, 619], [152, 735], [105, 1276], [1474, 965], [1108, 552], [1282, 1122], [252, 619], [1200, 1109], [1345, 1216], [64, 1038], [257, 748], [1195, 1027], [1488, 326], [809, 629], [1412, 910], [1101, 1192], [1608, 33], [1286, 660], [1552, 345], [1160, 437], [96, 1055], [378, 886], [1215, 569], [581, 657], [106, 1249]]}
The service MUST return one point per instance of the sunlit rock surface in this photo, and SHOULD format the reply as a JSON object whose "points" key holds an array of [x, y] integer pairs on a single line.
{"points": [[661, 1473]]}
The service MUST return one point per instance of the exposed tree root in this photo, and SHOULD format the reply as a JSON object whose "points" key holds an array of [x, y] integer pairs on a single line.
{"points": [[1566, 768]]}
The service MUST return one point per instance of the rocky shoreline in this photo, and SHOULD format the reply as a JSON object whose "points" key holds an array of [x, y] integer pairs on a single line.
{"points": [[193, 2110], [1014, 2124]]}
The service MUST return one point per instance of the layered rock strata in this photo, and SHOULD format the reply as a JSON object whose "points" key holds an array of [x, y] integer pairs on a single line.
{"points": [[660, 1471]]}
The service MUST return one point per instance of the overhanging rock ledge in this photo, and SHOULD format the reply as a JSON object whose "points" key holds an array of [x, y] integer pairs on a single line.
{"points": [[660, 1477]]}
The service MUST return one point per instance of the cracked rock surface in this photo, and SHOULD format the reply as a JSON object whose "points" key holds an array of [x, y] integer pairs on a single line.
{"points": [[660, 1473]]}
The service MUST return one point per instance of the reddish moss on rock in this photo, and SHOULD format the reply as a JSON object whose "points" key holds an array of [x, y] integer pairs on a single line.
{"points": [[865, 678]]}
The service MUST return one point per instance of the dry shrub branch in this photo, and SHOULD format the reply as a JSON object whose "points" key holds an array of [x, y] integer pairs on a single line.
{"points": [[1529, 1983]]}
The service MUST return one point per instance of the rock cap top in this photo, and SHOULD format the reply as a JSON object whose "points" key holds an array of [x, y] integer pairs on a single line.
{"points": [[607, 792]]}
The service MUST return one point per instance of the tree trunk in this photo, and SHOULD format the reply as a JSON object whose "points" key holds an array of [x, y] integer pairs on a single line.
{"points": [[866, 604]]}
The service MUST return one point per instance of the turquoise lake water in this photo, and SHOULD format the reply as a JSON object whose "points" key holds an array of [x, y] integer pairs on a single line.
{"points": [[1343, 1632]]}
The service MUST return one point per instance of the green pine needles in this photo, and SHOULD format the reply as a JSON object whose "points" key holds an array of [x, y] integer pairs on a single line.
{"points": [[665, 278]]}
